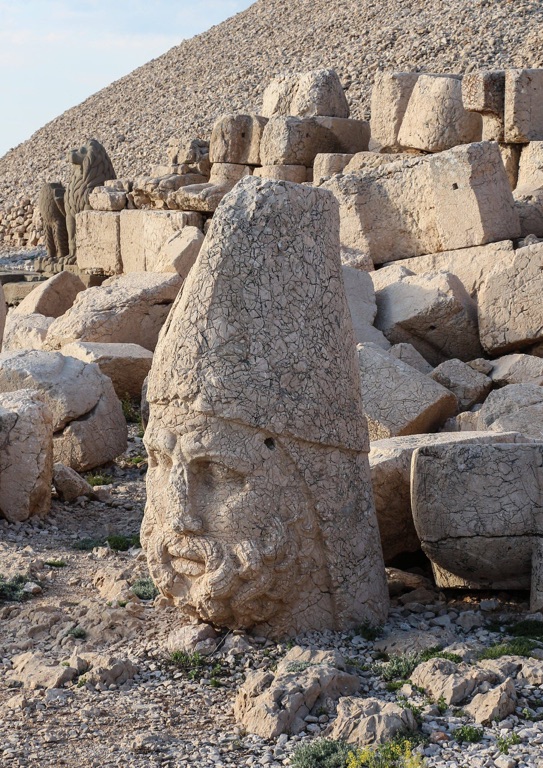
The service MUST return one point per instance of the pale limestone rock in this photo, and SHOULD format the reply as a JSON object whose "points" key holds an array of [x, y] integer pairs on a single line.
{"points": [[467, 421], [510, 155], [98, 242], [409, 355], [329, 163], [530, 169], [434, 313], [370, 721], [529, 205], [25, 331], [271, 703], [509, 302], [365, 161], [53, 297], [194, 638], [26, 455], [179, 253], [228, 173], [236, 139], [397, 399], [107, 670], [129, 309], [454, 199], [389, 275], [227, 386], [412, 641], [517, 369], [107, 199], [470, 265], [294, 173], [362, 306], [531, 671], [469, 386], [454, 682], [352, 257], [69, 484], [523, 105], [35, 670], [389, 98], [307, 94], [202, 198], [390, 464], [88, 423], [496, 704], [127, 365], [435, 118], [145, 233], [484, 92], [515, 406], [476, 509]]}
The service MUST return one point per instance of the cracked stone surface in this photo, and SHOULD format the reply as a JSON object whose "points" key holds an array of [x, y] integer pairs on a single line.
{"points": [[258, 471], [517, 407], [517, 369], [53, 297], [469, 386], [307, 94], [370, 721], [523, 115]]}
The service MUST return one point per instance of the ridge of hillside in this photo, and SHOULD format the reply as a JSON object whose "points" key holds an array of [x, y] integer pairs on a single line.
{"points": [[226, 69]]}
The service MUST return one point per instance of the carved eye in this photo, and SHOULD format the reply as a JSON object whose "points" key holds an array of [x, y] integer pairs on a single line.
{"points": [[214, 472]]}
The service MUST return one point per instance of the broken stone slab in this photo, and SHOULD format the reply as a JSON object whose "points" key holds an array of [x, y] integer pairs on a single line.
{"points": [[236, 139], [193, 638], [434, 313], [529, 205], [435, 118], [52, 297], [203, 198], [466, 421], [523, 116], [515, 406], [389, 99], [144, 233], [26, 455], [327, 164], [307, 94], [370, 721], [517, 283], [128, 309], [34, 670], [484, 92], [531, 672], [127, 365], [179, 253], [25, 331], [476, 510], [517, 369], [228, 173], [455, 683], [530, 168], [409, 355], [68, 484], [450, 200], [271, 703], [298, 174], [494, 705], [469, 386], [98, 242], [397, 399], [390, 465], [107, 199], [365, 161], [362, 306]]}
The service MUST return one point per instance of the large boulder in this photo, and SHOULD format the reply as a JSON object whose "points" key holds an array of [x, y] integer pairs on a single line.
{"points": [[88, 423], [469, 386], [307, 94], [517, 407], [26, 331], [236, 139], [127, 309], [370, 721], [389, 99], [127, 365], [53, 297]]}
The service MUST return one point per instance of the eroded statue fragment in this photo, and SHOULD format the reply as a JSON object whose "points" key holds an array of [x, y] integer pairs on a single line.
{"points": [[53, 213], [91, 167], [260, 513]]}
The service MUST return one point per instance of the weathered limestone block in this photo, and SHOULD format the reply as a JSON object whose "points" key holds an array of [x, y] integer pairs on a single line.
{"points": [[236, 139], [510, 154], [515, 406], [228, 173], [352, 257], [477, 511], [190, 153], [25, 331], [529, 205], [450, 200], [362, 306], [26, 455], [434, 313], [127, 365], [408, 354], [98, 237], [52, 297], [179, 253], [35, 670], [390, 464], [509, 302], [261, 433], [297, 141], [496, 704], [484, 92], [363, 161], [88, 423], [455, 683], [68, 484], [397, 399], [107, 199], [307, 94], [469, 386], [435, 118], [295, 173], [271, 703], [523, 105], [144, 234], [203, 198], [470, 265], [158, 192], [389, 98], [517, 369], [530, 169], [14, 293], [329, 163], [370, 721], [126, 309]]}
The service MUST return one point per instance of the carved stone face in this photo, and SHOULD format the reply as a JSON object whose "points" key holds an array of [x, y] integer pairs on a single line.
{"points": [[229, 530]]}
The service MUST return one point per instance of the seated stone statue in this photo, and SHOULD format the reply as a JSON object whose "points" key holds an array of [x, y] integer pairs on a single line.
{"points": [[53, 214], [260, 512]]}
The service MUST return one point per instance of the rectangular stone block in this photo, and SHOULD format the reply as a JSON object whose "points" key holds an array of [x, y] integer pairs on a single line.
{"points": [[530, 169], [294, 173], [389, 98], [523, 105], [144, 232], [236, 139], [98, 244], [329, 163], [484, 92]]}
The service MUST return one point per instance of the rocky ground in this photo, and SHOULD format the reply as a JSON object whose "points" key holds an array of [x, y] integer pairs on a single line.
{"points": [[80, 604]]}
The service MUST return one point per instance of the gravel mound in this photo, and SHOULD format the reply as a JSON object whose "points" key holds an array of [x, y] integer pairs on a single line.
{"points": [[226, 69]]}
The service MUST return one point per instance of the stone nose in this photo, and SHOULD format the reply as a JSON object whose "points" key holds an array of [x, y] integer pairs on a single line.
{"points": [[185, 514]]}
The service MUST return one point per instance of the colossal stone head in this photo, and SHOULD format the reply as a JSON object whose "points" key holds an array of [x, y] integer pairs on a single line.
{"points": [[260, 513]]}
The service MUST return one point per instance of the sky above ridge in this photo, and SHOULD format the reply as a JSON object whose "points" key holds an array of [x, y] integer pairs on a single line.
{"points": [[56, 53]]}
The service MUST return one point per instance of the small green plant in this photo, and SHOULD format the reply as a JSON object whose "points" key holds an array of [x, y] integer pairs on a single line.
{"points": [[357, 664], [11, 590], [369, 631], [415, 709], [395, 685], [77, 632], [130, 410], [504, 742], [136, 461], [121, 543], [527, 628], [191, 663], [322, 753], [469, 734], [87, 545], [400, 667], [81, 682], [144, 589], [397, 753], [442, 705], [99, 479], [299, 666], [214, 683], [519, 646], [56, 563]]}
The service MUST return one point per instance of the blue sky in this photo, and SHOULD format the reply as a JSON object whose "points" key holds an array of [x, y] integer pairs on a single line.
{"points": [[55, 53]]}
